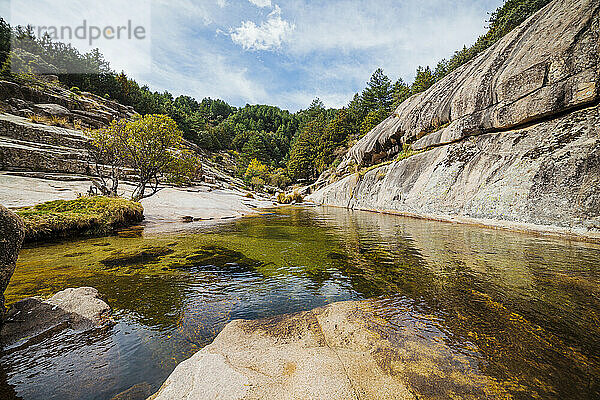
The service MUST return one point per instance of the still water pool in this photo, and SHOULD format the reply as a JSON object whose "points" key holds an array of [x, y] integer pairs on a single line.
{"points": [[525, 310]]}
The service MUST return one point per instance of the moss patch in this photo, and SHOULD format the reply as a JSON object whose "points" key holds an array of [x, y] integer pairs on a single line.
{"points": [[84, 216], [146, 255]]}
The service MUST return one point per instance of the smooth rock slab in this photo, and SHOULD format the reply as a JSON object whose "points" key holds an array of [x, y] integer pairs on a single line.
{"points": [[341, 351], [32, 319]]}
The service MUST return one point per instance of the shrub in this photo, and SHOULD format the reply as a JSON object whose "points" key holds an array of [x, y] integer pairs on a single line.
{"points": [[407, 152], [280, 178], [283, 198], [52, 121]]}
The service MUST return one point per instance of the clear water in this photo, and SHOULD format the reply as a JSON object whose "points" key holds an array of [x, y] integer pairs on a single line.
{"points": [[523, 310]]}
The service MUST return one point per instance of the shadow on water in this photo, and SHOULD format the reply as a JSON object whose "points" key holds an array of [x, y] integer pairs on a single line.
{"points": [[522, 310]]}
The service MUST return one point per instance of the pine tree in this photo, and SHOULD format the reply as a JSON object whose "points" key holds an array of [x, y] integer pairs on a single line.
{"points": [[378, 94], [401, 92], [304, 151], [423, 80]]}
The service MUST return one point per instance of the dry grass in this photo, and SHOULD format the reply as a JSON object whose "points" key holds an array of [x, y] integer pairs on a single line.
{"points": [[52, 121], [84, 216]]}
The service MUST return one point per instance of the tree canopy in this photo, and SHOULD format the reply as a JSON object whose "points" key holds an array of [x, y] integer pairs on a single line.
{"points": [[150, 145]]}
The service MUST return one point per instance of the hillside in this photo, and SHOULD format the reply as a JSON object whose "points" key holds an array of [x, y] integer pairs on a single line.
{"points": [[510, 138]]}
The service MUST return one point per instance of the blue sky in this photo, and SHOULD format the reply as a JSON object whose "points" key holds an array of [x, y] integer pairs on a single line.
{"points": [[287, 52]]}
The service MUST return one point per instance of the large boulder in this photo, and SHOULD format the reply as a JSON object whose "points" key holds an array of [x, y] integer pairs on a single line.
{"points": [[346, 350], [52, 110], [31, 319], [517, 141], [12, 232]]}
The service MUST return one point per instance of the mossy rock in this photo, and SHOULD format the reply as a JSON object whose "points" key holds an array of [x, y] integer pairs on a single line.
{"points": [[84, 216]]}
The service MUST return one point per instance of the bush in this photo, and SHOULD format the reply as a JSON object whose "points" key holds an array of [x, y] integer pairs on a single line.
{"points": [[283, 198], [52, 121], [185, 168], [280, 178], [256, 174], [84, 216]]}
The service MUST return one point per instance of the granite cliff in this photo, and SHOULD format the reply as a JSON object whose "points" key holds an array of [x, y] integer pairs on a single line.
{"points": [[511, 138]]}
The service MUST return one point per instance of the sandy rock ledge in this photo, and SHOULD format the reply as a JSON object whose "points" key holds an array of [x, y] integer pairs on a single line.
{"points": [[342, 351]]}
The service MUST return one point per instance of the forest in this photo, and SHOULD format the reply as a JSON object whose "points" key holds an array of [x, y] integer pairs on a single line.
{"points": [[272, 146]]}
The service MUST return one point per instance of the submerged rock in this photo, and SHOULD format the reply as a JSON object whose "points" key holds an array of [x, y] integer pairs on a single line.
{"points": [[12, 232], [342, 351], [32, 319], [136, 392]]}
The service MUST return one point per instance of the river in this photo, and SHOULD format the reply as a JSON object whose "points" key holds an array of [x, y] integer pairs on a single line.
{"points": [[523, 310]]}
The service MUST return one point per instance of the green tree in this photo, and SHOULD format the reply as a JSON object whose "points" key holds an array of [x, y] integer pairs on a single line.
{"points": [[150, 145], [257, 174], [401, 92], [378, 94], [301, 164], [423, 80], [5, 37], [372, 119]]}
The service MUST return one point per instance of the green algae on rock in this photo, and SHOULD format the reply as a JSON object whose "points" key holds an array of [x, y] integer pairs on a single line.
{"points": [[85, 216]]}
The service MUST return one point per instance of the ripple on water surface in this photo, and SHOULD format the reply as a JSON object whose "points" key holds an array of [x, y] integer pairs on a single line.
{"points": [[521, 311]]}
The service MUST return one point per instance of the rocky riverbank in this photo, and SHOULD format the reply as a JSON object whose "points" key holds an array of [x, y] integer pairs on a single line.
{"points": [[166, 210], [510, 139], [31, 319]]}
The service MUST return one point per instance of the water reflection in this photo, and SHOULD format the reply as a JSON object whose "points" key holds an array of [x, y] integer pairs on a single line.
{"points": [[522, 310]]}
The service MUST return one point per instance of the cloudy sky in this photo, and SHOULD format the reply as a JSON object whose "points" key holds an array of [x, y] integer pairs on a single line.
{"points": [[287, 52]]}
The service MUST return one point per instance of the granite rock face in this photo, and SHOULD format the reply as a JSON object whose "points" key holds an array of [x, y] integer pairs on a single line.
{"points": [[519, 139], [546, 174], [32, 319], [342, 351], [12, 232], [548, 65]]}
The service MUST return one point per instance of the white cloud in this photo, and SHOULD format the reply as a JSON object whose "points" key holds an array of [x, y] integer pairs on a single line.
{"points": [[261, 3], [221, 3], [397, 36], [266, 36]]}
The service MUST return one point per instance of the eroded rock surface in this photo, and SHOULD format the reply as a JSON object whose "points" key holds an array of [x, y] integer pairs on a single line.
{"points": [[547, 174], [519, 144], [12, 232], [342, 351], [32, 319], [546, 66]]}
